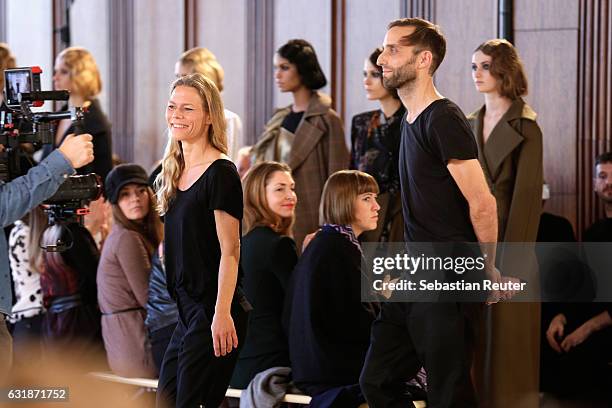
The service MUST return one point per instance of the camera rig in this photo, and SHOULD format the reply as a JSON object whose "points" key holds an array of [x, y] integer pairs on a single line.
{"points": [[20, 126]]}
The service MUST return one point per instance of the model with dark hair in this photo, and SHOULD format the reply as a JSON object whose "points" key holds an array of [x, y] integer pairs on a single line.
{"points": [[510, 151], [124, 269], [307, 135], [268, 258], [375, 139], [200, 196]]}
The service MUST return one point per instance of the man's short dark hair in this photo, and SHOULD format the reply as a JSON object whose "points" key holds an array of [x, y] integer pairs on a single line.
{"points": [[603, 158], [426, 36], [302, 54]]}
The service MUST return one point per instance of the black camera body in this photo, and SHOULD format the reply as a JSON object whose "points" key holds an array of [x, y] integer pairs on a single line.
{"points": [[19, 125]]}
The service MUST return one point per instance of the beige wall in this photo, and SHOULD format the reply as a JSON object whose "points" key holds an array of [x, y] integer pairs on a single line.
{"points": [[158, 40]]}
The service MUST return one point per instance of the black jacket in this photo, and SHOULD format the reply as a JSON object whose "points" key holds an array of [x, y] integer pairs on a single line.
{"points": [[161, 308], [267, 260], [95, 123], [329, 327]]}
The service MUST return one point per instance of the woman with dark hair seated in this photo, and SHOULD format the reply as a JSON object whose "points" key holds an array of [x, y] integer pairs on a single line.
{"points": [[329, 327], [307, 135], [268, 258], [375, 137]]}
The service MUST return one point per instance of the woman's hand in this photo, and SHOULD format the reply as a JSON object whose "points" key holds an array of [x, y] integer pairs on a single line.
{"points": [[223, 334]]}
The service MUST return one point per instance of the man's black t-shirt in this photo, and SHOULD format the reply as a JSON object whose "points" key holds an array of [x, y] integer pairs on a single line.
{"points": [[434, 207], [192, 249]]}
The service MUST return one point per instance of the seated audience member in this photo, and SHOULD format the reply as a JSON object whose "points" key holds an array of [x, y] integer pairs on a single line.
{"points": [[580, 334], [268, 258], [68, 282], [553, 228], [28, 310], [124, 269], [329, 327]]}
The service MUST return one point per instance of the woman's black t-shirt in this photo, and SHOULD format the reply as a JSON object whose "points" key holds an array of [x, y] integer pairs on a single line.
{"points": [[192, 250]]}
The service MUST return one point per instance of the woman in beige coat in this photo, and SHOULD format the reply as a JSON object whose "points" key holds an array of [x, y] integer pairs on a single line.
{"points": [[510, 152], [307, 135]]}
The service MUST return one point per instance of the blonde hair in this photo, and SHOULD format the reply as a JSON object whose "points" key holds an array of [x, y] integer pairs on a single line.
{"points": [[84, 72], [256, 208], [7, 61], [339, 194], [203, 61], [151, 228], [173, 162]]}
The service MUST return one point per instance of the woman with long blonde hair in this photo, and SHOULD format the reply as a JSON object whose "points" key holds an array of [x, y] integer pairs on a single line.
{"points": [[268, 258], [200, 197], [202, 60], [76, 71]]}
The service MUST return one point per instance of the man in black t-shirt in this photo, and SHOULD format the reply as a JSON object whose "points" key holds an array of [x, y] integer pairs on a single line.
{"points": [[445, 198]]}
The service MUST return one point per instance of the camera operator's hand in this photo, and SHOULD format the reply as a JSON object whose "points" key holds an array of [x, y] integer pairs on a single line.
{"points": [[78, 150]]}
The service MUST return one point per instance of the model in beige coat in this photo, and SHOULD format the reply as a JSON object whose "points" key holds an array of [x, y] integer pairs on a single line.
{"points": [[317, 148]]}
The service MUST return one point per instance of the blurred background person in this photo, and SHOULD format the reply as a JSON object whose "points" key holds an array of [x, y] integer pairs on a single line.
{"points": [[7, 61], [124, 270], [203, 61], [76, 71], [268, 256], [68, 282], [329, 327], [25, 262], [510, 151], [307, 135], [375, 137]]}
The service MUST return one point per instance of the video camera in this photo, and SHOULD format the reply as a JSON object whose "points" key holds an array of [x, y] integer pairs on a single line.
{"points": [[20, 125]]}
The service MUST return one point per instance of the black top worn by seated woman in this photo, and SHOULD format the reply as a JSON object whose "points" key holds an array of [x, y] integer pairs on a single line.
{"points": [[192, 249], [329, 327], [268, 260], [97, 125]]}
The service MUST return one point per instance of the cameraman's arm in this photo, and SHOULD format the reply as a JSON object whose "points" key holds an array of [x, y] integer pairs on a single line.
{"points": [[18, 196]]}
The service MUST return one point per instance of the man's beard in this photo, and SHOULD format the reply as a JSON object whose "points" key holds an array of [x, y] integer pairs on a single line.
{"points": [[402, 77]]}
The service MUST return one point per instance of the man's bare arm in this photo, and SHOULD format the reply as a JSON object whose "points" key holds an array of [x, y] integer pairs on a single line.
{"points": [[483, 208]]}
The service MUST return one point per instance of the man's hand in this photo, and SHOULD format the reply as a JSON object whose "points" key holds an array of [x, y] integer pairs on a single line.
{"points": [[494, 276], [78, 150], [555, 332], [576, 337]]}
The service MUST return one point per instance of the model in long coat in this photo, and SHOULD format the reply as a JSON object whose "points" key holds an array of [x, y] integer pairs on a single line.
{"points": [[318, 151], [511, 159]]}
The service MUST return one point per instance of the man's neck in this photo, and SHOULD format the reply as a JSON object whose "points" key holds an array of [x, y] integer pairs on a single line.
{"points": [[418, 95], [608, 210]]}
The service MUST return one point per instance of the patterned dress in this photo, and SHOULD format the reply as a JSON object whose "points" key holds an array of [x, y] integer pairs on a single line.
{"points": [[375, 150]]}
